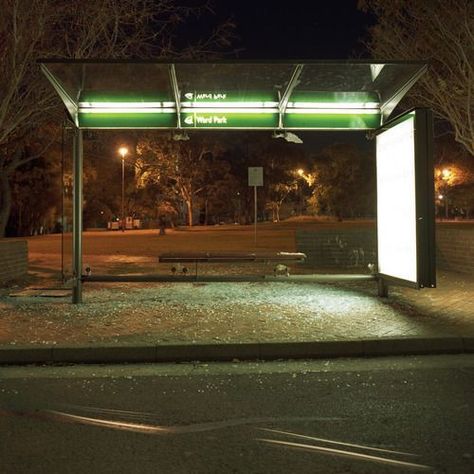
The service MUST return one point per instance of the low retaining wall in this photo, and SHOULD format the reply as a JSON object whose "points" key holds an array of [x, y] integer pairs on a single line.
{"points": [[339, 247], [347, 247], [455, 248], [13, 259]]}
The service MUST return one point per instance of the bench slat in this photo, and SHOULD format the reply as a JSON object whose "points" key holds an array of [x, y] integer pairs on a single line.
{"points": [[195, 257]]}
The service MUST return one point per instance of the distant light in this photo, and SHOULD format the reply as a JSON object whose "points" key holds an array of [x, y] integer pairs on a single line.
{"points": [[446, 173], [300, 172], [123, 151], [440, 196]]}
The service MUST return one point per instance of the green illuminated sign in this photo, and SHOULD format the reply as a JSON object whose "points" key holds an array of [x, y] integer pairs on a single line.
{"points": [[247, 98], [220, 119], [233, 110], [332, 120], [127, 120]]}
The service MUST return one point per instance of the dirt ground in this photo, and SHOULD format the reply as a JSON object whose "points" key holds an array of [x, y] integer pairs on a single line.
{"points": [[196, 312]]}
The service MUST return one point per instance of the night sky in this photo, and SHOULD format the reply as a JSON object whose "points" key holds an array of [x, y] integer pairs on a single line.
{"points": [[306, 29]]}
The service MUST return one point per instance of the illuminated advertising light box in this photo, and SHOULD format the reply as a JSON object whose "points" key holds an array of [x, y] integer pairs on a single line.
{"points": [[405, 204]]}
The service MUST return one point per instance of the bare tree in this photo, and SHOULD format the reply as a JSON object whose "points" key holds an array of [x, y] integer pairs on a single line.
{"points": [[343, 182], [183, 169], [30, 29], [441, 31]]}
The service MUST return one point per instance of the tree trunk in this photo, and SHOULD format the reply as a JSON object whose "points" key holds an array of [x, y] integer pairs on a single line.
{"points": [[189, 212], [5, 202]]}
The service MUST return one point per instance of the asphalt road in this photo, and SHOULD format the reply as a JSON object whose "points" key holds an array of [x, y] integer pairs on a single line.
{"points": [[384, 415]]}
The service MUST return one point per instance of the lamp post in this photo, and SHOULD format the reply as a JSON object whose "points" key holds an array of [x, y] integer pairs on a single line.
{"points": [[300, 173], [446, 175], [122, 152]]}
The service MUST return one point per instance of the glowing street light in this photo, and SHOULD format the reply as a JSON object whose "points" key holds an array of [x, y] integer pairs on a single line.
{"points": [[446, 173], [448, 177], [122, 152]]}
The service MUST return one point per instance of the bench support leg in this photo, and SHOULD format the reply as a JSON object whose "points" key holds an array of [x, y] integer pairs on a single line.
{"points": [[382, 288]]}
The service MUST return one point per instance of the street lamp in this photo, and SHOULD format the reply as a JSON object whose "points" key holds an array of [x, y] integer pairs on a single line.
{"points": [[300, 173], [122, 152], [446, 175]]}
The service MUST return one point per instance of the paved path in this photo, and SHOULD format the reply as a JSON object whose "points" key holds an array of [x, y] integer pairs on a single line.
{"points": [[243, 320]]}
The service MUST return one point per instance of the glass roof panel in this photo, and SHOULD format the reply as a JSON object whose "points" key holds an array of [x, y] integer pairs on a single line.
{"points": [[343, 81], [244, 95], [226, 82], [109, 82]]}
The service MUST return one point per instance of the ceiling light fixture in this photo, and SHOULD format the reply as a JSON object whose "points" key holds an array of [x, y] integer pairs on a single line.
{"points": [[288, 136]]}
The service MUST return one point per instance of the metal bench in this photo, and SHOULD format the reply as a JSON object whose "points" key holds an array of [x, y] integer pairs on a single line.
{"points": [[279, 258]]}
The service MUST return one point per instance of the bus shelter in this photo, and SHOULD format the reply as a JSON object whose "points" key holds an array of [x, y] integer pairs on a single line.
{"points": [[280, 97]]}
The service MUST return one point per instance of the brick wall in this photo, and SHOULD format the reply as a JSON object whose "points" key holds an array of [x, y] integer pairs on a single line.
{"points": [[347, 247], [455, 247], [13, 259], [339, 247]]}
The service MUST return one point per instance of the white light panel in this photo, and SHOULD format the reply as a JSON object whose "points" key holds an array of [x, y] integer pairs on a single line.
{"points": [[396, 202]]}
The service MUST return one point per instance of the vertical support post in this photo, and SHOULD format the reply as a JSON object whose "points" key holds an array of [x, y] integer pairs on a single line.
{"points": [[123, 193], [255, 218], [63, 130], [382, 288], [77, 218]]}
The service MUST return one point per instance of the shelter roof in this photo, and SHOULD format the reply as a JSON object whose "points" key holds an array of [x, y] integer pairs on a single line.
{"points": [[287, 95]]}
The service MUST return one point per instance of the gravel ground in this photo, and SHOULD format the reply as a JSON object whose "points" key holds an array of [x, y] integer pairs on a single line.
{"points": [[219, 313]]}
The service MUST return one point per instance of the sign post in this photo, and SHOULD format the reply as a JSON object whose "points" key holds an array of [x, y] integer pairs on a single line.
{"points": [[255, 179]]}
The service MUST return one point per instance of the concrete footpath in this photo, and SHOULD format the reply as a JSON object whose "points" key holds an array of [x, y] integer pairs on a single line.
{"points": [[226, 322]]}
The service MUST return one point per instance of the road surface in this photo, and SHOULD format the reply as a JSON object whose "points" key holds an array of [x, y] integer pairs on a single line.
{"points": [[383, 415]]}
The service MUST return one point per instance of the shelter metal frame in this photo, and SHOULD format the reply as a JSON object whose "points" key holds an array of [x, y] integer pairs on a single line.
{"points": [[58, 72]]}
